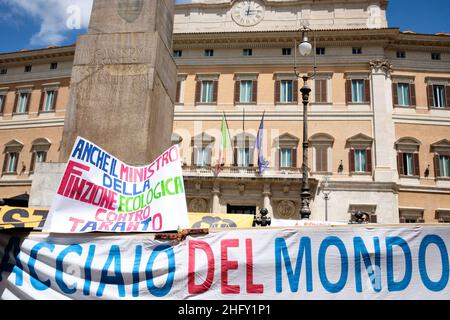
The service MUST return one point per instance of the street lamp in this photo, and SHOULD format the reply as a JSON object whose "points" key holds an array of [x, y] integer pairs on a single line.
{"points": [[326, 195], [305, 48]]}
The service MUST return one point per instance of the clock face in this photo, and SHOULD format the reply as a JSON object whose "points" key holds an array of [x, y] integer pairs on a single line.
{"points": [[248, 12]]}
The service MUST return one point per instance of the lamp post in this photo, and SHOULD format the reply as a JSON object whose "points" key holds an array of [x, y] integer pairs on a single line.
{"points": [[305, 48]]}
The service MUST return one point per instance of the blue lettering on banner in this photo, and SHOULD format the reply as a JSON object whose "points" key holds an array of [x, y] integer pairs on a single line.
{"points": [[304, 249], [87, 271], [338, 286], [76, 248], [402, 284], [117, 279], [37, 283], [136, 266], [373, 272], [442, 282], [164, 290]]}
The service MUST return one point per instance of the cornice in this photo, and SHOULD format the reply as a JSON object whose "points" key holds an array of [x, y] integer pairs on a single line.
{"points": [[31, 55]]}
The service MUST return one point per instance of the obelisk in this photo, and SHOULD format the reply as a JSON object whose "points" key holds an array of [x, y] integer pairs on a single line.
{"points": [[124, 81]]}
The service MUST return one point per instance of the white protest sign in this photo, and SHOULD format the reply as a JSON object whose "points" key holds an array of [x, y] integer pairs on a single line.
{"points": [[98, 192]]}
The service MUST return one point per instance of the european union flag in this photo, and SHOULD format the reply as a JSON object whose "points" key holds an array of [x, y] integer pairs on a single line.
{"points": [[263, 164]]}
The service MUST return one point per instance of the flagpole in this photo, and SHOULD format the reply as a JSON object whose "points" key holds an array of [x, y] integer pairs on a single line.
{"points": [[228, 127]]}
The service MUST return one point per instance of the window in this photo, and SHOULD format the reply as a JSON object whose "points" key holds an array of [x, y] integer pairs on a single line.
{"points": [[320, 51], [401, 54], [202, 150], [11, 162], [286, 91], [2, 102], [412, 215], [246, 88], [320, 88], [358, 91], [243, 150], [37, 157], [286, 157], [360, 160], [177, 53], [357, 50], [3, 71], [435, 56], [179, 98], [444, 166], [322, 145], [28, 68], [22, 104], [207, 92], [287, 51], [12, 152], [202, 159], [408, 156], [438, 96], [244, 157], [247, 52], [209, 53], [39, 152], [50, 100], [403, 94], [53, 66], [407, 159]]}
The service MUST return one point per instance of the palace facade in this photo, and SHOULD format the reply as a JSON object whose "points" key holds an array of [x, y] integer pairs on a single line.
{"points": [[379, 112]]}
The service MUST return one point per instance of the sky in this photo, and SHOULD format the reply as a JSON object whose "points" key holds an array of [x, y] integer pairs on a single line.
{"points": [[31, 24]]}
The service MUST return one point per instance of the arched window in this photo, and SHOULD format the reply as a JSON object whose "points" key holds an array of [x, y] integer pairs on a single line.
{"points": [[39, 152], [12, 152], [287, 148], [202, 146], [244, 146]]}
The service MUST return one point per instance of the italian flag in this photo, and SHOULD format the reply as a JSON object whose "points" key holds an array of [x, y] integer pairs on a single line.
{"points": [[225, 142]]}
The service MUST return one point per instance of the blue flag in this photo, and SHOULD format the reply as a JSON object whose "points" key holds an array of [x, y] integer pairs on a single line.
{"points": [[263, 164]]}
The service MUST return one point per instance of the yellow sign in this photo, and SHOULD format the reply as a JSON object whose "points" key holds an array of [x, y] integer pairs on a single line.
{"points": [[20, 218], [219, 221]]}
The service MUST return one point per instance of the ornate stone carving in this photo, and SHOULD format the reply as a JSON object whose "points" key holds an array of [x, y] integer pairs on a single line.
{"points": [[198, 205], [130, 10], [383, 65], [286, 209]]}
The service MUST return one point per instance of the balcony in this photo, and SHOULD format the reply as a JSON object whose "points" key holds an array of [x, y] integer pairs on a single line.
{"points": [[242, 172]]}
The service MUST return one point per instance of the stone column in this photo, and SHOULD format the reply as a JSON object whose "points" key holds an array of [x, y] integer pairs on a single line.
{"points": [[267, 202], [216, 198], [383, 124], [124, 81]]}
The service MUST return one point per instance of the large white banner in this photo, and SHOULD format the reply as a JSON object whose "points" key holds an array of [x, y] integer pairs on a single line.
{"points": [[298, 263], [98, 192]]}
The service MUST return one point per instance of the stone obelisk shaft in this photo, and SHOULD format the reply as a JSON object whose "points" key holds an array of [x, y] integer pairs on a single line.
{"points": [[124, 81]]}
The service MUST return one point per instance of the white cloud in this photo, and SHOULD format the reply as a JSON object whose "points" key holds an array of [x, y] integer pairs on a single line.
{"points": [[52, 15]]}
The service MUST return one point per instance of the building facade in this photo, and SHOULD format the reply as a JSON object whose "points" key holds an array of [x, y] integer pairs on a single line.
{"points": [[379, 117]]}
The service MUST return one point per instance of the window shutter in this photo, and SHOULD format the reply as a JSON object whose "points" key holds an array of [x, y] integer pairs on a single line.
{"points": [[198, 91], [4, 162], [208, 162], [348, 91], [255, 91], [41, 103], [16, 101], [369, 160], [235, 157], [178, 94], [437, 167], [279, 158], [430, 96], [216, 90], [33, 160], [28, 102], [351, 161], [318, 91], [401, 167], [394, 94], [412, 95], [294, 157], [194, 156], [55, 99], [237, 92], [2, 106], [251, 157], [447, 95], [295, 89], [416, 164], [277, 91], [367, 91], [324, 91]]}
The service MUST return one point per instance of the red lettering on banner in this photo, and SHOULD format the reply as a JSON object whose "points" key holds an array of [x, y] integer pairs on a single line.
{"points": [[75, 222], [206, 285], [72, 168], [251, 287], [228, 265]]}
